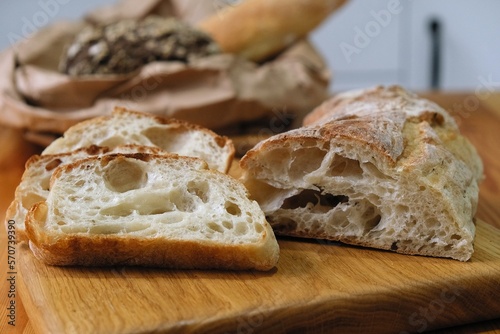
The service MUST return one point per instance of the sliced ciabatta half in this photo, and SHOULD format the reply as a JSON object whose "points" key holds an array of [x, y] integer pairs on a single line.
{"points": [[149, 210], [131, 127], [380, 168], [34, 185]]}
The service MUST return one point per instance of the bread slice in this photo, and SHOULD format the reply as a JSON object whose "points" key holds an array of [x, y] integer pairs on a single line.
{"points": [[130, 127], [149, 210], [380, 168], [34, 185]]}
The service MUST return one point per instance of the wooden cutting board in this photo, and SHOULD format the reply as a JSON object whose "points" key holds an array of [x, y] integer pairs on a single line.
{"points": [[317, 287]]}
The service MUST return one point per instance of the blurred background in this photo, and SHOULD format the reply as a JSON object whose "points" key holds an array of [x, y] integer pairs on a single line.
{"points": [[386, 41], [423, 45]]}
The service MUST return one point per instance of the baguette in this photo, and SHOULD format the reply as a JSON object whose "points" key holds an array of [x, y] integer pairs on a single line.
{"points": [[34, 185], [149, 210], [130, 127], [379, 168], [257, 29]]}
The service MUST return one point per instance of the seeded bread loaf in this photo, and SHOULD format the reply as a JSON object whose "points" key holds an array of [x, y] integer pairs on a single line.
{"points": [[124, 46], [149, 210], [380, 168], [124, 127]]}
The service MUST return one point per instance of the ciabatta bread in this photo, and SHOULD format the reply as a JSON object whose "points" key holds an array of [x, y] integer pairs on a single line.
{"points": [[149, 210], [130, 127], [34, 185], [380, 168]]}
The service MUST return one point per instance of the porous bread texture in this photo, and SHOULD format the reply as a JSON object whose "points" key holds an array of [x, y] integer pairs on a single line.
{"points": [[130, 127], [34, 185], [149, 210], [380, 168]]}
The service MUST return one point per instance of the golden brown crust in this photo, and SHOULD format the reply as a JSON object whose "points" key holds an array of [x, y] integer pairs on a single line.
{"points": [[354, 117], [256, 29], [79, 250], [388, 99], [109, 250]]}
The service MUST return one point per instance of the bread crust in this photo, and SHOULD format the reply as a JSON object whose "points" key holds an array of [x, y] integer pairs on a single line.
{"points": [[352, 117], [409, 140], [79, 129], [397, 106], [257, 29]]}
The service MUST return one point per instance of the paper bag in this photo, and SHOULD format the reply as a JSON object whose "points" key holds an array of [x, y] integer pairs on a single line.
{"points": [[218, 91]]}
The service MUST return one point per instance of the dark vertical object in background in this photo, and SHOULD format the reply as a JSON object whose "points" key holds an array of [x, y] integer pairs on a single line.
{"points": [[435, 32]]}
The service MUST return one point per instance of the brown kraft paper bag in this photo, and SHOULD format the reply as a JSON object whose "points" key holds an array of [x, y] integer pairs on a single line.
{"points": [[219, 91]]}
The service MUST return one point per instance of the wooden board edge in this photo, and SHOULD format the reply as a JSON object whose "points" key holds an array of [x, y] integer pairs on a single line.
{"points": [[43, 321]]}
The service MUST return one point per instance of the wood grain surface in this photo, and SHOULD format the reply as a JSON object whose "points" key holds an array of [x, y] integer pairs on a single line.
{"points": [[317, 287]]}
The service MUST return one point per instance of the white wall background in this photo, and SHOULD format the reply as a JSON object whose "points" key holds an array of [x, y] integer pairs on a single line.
{"points": [[361, 42], [399, 49]]}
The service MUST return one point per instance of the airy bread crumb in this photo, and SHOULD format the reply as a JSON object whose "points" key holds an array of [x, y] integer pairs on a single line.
{"points": [[149, 210], [379, 168]]}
